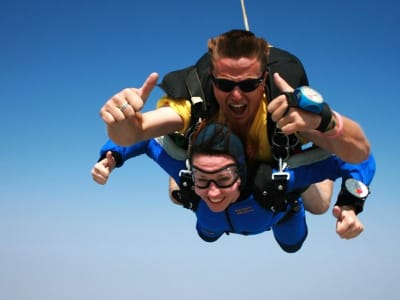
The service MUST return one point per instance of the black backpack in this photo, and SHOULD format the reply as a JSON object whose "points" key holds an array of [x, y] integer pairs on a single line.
{"points": [[194, 83]]}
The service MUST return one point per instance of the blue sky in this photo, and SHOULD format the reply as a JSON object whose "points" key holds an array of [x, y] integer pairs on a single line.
{"points": [[64, 237]]}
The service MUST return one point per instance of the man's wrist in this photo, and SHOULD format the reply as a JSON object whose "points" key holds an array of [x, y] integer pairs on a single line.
{"points": [[331, 125], [335, 127], [326, 118]]}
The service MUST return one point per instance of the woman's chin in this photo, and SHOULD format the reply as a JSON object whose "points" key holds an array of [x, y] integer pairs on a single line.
{"points": [[217, 207]]}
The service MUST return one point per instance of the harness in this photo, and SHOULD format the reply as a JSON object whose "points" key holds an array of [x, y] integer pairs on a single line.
{"points": [[194, 83]]}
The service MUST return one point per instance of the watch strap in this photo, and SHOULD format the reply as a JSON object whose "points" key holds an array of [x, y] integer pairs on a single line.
{"points": [[326, 116], [326, 112], [345, 198]]}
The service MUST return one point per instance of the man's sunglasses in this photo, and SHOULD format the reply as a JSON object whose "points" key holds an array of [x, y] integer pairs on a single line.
{"points": [[246, 86]]}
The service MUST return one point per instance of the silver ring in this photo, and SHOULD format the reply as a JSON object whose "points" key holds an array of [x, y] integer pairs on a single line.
{"points": [[123, 106]]}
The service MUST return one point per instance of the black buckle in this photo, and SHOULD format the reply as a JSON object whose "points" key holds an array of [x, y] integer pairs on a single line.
{"points": [[270, 189], [280, 181], [187, 196]]}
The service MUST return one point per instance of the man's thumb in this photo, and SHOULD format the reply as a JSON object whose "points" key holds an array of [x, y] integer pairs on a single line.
{"points": [[281, 83], [148, 86]]}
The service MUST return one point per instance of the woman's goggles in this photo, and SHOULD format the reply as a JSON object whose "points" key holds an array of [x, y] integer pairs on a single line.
{"points": [[247, 85], [222, 178]]}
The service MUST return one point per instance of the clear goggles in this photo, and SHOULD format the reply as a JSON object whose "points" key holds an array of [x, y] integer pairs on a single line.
{"points": [[223, 178]]}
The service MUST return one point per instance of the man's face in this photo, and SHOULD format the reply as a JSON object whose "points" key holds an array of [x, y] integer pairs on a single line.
{"points": [[238, 106]]}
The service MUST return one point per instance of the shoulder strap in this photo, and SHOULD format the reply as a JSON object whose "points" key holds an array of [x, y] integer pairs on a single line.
{"points": [[194, 84], [291, 69], [197, 98]]}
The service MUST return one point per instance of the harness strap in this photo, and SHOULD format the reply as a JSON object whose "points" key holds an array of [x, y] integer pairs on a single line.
{"points": [[308, 157], [197, 98], [186, 195], [270, 189], [170, 144]]}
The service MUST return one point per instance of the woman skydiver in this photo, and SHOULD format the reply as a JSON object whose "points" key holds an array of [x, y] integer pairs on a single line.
{"points": [[244, 214]]}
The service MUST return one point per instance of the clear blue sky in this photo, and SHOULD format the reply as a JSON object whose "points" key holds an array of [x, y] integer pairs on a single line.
{"points": [[64, 237]]}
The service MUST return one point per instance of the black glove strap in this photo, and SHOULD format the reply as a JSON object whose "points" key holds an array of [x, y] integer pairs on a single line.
{"points": [[291, 100], [326, 116], [326, 113], [345, 198]]}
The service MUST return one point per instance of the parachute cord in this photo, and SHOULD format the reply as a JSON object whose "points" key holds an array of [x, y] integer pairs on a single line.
{"points": [[246, 24]]}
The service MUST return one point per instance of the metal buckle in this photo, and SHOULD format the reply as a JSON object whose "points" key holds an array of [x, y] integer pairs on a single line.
{"points": [[281, 177]]}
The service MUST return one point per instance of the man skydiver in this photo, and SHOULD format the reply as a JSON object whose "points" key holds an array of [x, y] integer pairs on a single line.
{"points": [[238, 77]]}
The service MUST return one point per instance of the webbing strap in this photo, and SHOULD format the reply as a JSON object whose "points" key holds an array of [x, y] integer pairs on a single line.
{"points": [[270, 190], [197, 98], [193, 84], [308, 157]]}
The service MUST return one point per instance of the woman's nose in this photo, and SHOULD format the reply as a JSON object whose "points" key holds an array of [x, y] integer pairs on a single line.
{"points": [[213, 189]]}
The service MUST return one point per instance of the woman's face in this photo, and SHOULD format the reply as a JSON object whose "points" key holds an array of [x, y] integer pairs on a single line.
{"points": [[216, 180]]}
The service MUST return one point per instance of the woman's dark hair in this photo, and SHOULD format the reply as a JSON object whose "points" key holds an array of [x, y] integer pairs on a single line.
{"points": [[217, 139]]}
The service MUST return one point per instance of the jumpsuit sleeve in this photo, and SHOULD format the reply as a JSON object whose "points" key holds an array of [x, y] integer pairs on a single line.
{"points": [[331, 168], [123, 153], [152, 149]]}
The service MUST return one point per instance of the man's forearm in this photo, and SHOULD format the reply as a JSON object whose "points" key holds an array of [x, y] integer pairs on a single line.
{"points": [[351, 145]]}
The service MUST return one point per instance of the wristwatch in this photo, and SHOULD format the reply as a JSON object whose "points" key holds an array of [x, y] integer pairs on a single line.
{"points": [[353, 192], [356, 188], [309, 99]]}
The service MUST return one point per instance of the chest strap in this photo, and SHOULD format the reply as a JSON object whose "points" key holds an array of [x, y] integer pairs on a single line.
{"points": [[270, 189]]}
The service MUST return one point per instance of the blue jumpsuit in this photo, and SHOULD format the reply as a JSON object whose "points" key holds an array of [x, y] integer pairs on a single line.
{"points": [[246, 216]]}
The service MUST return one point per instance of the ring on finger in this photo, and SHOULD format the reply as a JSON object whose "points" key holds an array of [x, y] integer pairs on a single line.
{"points": [[123, 106]]}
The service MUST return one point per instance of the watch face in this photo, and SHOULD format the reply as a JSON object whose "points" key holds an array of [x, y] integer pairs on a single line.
{"points": [[312, 94], [356, 188]]}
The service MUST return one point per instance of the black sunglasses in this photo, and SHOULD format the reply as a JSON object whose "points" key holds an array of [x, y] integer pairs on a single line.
{"points": [[247, 85]]}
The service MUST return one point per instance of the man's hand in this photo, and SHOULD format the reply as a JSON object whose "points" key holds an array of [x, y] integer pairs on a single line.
{"points": [[348, 225], [102, 170], [122, 115], [292, 120]]}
